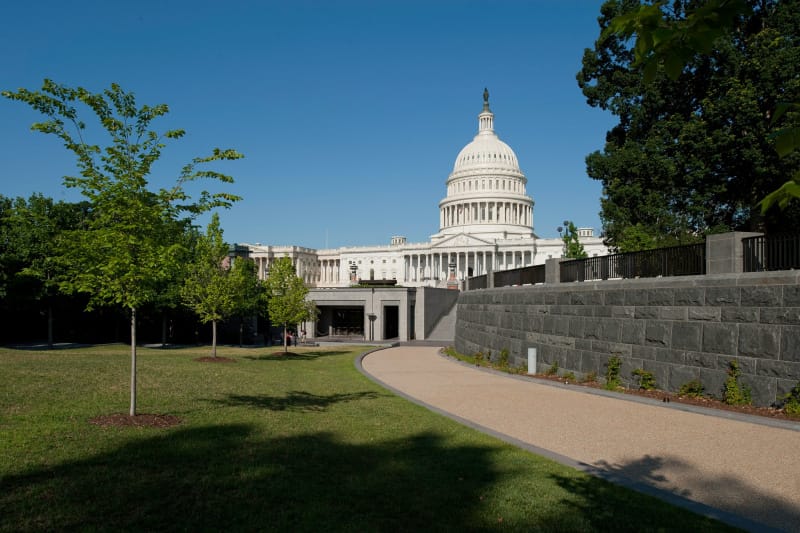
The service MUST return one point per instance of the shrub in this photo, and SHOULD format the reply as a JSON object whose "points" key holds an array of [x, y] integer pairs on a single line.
{"points": [[646, 379], [692, 388], [792, 401], [734, 393], [612, 372], [503, 358], [570, 376], [553, 370], [478, 358], [591, 377]]}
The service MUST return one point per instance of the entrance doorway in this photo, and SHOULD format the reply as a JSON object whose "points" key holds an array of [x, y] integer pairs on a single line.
{"points": [[391, 321]]}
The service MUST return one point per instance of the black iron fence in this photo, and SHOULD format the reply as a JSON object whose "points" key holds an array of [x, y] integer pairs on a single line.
{"points": [[684, 260], [529, 275], [771, 252]]}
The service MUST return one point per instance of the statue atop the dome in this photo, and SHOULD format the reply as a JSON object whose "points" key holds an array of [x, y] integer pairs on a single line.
{"points": [[485, 99]]}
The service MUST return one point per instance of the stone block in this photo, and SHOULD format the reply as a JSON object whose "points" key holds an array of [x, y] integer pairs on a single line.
{"points": [[760, 296], [644, 352], [602, 311], [763, 390], [705, 314], [722, 296], [660, 371], [746, 364], [615, 297], [713, 381], [686, 336], [657, 333], [719, 338], [790, 343], [791, 295], [701, 360], [673, 313], [660, 297], [636, 297], [610, 329], [646, 312], [549, 324], [592, 362], [758, 340], [784, 387], [632, 332], [780, 315], [679, 375], [690, 296], [583, 344], [564, 298], [576, 327], [593, 329], [536, 323], [623, 311], [561, 326], [778, 369], [739, 314]]}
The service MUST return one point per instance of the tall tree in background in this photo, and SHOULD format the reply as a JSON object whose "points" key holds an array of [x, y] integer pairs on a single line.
{"points": [[130, 246], [34, 234], [692, 153], [249, 294], [286, 295]]}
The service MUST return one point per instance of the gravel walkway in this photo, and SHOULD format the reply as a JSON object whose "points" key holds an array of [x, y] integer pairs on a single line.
{"points": [[740, 471]]}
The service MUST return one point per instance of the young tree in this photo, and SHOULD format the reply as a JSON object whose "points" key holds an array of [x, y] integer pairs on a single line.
{"points": [[249, 296], [693, 152], [572, 245], [129, 247], [286, 295]]}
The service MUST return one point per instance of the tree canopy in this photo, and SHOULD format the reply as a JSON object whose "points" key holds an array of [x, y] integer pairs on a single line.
{"points": [[693, 152], [286, 295], [573, 249], [130, 246]]}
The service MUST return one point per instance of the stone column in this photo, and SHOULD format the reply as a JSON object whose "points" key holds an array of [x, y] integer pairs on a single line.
{"points": [[724, 254]]}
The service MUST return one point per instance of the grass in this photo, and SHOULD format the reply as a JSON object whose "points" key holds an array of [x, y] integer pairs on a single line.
{"points": [[300, 443]]}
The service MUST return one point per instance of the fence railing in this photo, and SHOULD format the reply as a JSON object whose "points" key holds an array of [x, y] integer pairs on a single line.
{"points": [[529, 275], [771, 252], [684, 260]]}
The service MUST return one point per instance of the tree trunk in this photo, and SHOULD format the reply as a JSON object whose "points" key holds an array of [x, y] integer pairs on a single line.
{"points": [[213, 338], [49, 325], [133, 362], [164, 330], [241, 331], [285, 340]]}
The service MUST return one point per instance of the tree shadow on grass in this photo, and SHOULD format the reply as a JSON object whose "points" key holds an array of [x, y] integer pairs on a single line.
{"points": [[231, 478], [238, 478], [295, 400], [727, 498], [282, 356]]}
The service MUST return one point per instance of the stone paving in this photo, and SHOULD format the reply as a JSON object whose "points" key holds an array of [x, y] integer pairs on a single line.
{"points": [[739, 469]]}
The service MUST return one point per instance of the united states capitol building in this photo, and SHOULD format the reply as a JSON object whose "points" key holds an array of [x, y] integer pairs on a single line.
{"points": [[485, 224]]}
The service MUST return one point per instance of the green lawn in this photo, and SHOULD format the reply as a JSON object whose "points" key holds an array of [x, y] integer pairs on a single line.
{"points": [[299, 443]]}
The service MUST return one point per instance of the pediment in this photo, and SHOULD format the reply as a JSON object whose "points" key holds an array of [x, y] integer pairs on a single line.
{"points": [[462, 240]]}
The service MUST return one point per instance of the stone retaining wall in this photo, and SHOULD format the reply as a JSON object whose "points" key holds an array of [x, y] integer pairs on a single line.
{"points": [[679, 329]]}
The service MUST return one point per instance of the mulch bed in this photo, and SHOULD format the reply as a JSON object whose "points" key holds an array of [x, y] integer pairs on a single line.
{"points": [[704, 401], [215, 360], [140, 421]]}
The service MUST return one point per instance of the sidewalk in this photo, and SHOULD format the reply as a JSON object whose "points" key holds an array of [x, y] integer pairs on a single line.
{"points": [[740, 471]]}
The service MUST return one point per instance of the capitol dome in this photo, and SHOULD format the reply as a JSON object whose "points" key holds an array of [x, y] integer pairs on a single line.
{"points": [[486, 190]]}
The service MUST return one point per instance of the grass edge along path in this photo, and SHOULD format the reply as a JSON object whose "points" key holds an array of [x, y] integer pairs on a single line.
{"points": [[271, 442]]}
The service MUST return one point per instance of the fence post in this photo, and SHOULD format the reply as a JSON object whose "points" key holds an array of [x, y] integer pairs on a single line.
{"points": [[724, 252], [552, 271]]}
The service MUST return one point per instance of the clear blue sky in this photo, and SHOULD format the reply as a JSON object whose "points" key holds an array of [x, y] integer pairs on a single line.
{"points": [[350, 114]]}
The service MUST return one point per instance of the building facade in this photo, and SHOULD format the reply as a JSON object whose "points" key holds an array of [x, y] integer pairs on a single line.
{"points": [[485, 224]]}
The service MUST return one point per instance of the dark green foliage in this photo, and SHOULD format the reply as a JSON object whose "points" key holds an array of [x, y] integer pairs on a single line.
{"points": [[570, 376], [733, 392], [503, 360], [591, 377], [693, 388], [792, 401], [646, 379], [613, 367], [692, 153], [572, 245], [552, 370]]}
